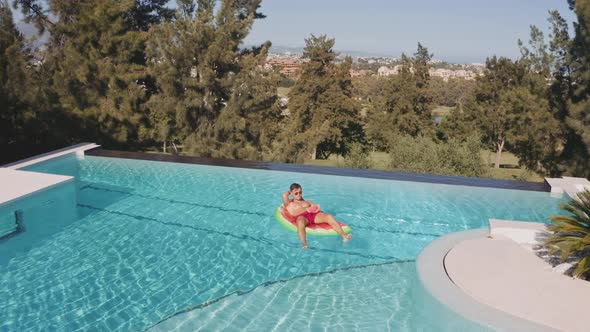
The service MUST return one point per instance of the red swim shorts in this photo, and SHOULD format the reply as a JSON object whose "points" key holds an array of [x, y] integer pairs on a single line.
{"points": [[310, 216]]}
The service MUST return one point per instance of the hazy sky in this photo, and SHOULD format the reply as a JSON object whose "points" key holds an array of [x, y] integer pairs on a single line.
{"points": [[454, 30]]}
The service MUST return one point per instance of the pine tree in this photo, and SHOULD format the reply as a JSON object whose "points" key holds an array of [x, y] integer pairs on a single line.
{"points": [[491, 111], [211, 95], [406, 108], [98, 62], [578, 118], [323, 115], [12, 65], [249, 124], [458, 124], [15, 77], [560, 92], [147, 13], [536, 55], [95, 65], [511, 109]]}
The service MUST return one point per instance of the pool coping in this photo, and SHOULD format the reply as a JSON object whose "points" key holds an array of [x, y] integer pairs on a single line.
{"points": [[78, 148], [19, 184], [326, 170], [433, 275]]}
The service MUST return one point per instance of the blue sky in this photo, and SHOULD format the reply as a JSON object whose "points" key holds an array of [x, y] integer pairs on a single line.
{"points": [[454, 30]]}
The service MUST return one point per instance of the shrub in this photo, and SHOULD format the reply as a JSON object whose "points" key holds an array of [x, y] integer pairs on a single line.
{"points": [[570, 234], [423, 155], [357, 157], [464, 157]]}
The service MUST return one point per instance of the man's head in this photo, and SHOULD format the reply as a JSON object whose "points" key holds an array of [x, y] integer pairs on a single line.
{"points": [[296, 191]]}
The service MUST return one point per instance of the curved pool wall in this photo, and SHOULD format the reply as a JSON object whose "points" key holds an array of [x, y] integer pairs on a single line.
{"points": [[433, 276], [154, 239]]}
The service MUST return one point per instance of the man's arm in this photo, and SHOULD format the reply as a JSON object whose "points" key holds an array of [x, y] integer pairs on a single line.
{"points": [[286, 199]]}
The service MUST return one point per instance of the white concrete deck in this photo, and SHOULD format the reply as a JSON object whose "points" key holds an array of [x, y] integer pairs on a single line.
{"points": [[16, 184], [502, 272], [570, 185], [79, 148]]}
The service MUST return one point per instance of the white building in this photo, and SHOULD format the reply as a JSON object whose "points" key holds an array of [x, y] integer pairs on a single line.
{"points": [[386, 71]]}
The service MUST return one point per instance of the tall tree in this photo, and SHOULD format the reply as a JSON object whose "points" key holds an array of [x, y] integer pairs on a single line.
{"points": [[561, 87], [534, 133], [95, 64], [323, 115], [147, 13], [540, 133], [458, 125], [406, 106], [211, 95], [14, 83], [511, 109], [560, 44], [249, 124], [491, 112], [537, 55], [98, 61], [578, 118]]}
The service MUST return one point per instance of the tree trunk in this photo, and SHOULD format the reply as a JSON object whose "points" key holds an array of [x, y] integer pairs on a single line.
{"points": [[175, 149], [499, 146], [314, 152], [164, 146]]}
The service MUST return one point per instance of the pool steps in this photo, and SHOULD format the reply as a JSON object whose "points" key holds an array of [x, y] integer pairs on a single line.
{"points": [[10, 223]]}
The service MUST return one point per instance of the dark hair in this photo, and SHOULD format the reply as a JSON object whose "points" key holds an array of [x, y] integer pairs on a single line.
{"points": [[294, 186]]}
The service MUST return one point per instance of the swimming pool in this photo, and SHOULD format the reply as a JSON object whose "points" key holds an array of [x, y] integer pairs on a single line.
{"points": [[157, 245]]}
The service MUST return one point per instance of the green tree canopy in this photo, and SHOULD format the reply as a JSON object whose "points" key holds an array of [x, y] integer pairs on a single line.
{"points": [[324, 117], [407, 103], [28, 125], [500, 76], [578, 118], [14, 81], [94, 65], [211, 95]]}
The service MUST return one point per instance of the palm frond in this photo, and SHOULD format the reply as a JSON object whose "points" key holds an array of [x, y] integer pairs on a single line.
{"points": [[570, 234], [583, 267]]}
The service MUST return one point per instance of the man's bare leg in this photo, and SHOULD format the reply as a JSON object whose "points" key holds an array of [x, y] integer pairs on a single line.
{"points": [[329, 219], [301, 223]]}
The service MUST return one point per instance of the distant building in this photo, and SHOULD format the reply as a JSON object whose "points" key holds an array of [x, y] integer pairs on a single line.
{"points": [[386, 71], [442, 73], [358, 73], [288, 67], [445, 74], [461, 73]]}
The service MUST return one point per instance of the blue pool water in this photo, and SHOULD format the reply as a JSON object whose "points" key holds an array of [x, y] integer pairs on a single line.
{"points": [[165, 246]]}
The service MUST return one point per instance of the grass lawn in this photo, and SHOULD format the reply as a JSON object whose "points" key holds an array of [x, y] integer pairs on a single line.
{"points": [[283, 92], [441, 111], [507, 159], [508, 162]]}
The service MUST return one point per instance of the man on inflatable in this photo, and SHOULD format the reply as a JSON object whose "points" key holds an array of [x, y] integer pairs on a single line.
{"points": [[306, 213]]}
